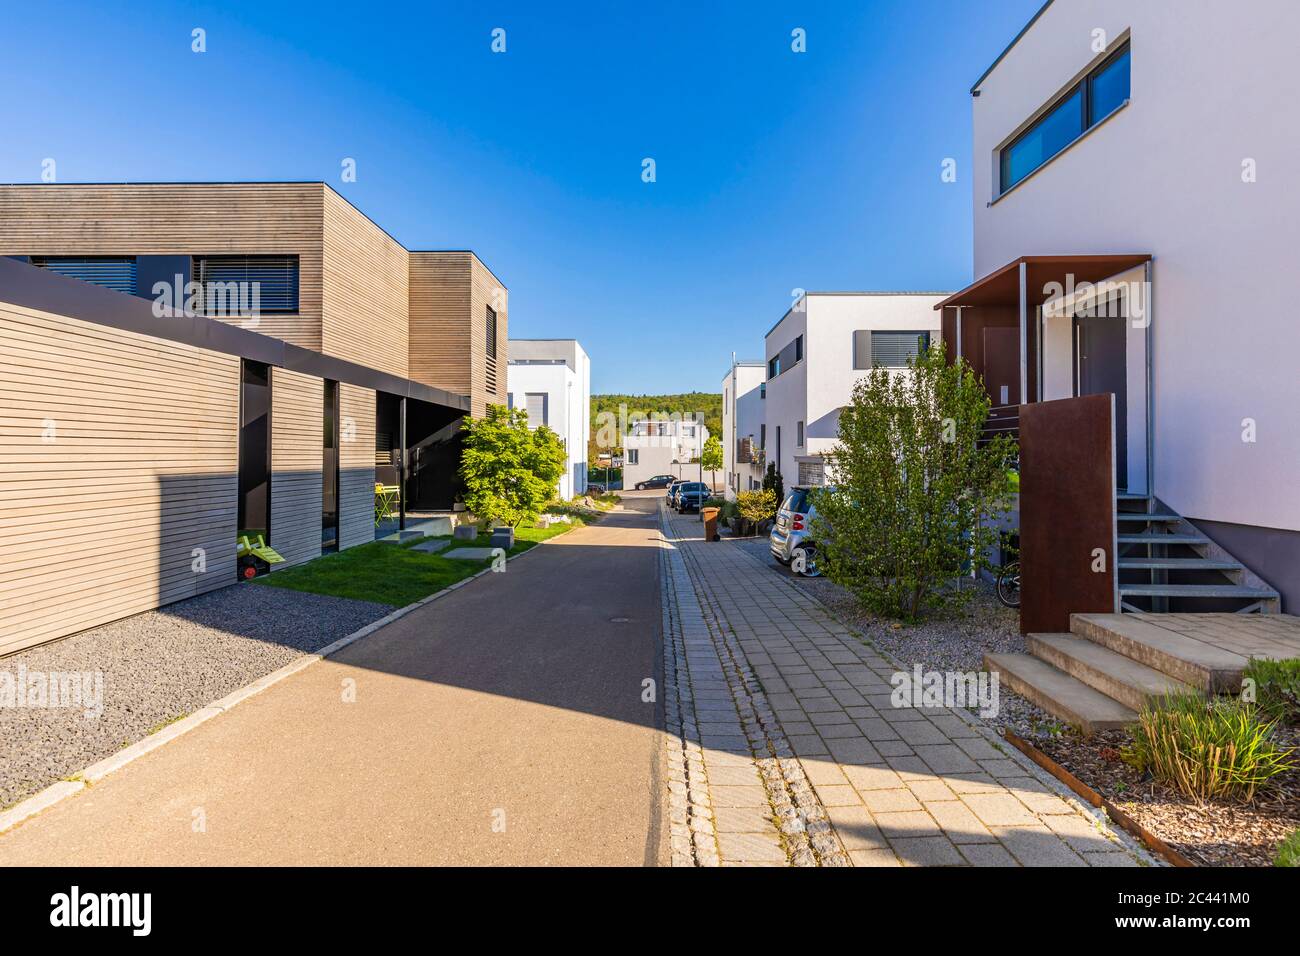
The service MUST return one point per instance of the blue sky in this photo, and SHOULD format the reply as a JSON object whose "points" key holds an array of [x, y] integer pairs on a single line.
{"points": [[775, 170]]}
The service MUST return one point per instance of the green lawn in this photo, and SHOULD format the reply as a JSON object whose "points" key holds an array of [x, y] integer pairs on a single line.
{"points": [[390, 573]]}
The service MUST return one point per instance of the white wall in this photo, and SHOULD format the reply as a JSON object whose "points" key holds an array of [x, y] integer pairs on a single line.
{"points": [[742, 417], [1212, 86], [666, 454], [568, 385]]}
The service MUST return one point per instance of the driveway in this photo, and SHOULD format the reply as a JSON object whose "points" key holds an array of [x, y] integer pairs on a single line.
{"points": [[501, 724]]}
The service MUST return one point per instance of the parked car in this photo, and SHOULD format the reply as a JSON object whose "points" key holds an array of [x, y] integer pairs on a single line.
{"points": [[595, 488], [673, 487], [691, 496], [791, 538], [658, 481]]}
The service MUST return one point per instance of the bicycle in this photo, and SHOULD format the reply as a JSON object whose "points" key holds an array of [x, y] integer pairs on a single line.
{"points": [[1008, 586]]}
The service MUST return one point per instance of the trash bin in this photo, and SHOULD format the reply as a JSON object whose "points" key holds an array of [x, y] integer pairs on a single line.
{"points": [[710, 516]]}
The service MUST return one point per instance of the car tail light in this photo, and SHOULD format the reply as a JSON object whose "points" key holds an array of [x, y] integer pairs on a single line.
{"points": [[796, 522]]}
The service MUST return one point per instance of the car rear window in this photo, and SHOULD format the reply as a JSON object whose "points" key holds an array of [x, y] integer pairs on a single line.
{"points": [[797, 501]]}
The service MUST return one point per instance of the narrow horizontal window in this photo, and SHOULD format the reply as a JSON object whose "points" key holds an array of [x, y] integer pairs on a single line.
{"points": [[897, 349], [111, 272], [246, 285]]}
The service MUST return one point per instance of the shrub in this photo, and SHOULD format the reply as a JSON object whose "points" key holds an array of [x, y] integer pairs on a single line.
{"points": [[1288, 851], [773, 482], [757, 506], [1277, 687], [911, 487], [1207, 748], [510, 471]]}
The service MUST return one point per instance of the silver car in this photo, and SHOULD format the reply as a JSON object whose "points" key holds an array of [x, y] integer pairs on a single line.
{"points": [[791, 538]]}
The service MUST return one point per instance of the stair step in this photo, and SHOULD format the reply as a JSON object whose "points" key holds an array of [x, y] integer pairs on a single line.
{"points": [[1198, 590], [1159, 538], [1130, 682], [1159, 516], [1059, 694], [1179, 564], [1193, 662], [1128, 496]]}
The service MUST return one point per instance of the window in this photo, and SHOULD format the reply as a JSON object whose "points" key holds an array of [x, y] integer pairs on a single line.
{"points": [[896, 349], [762, 436], [246, 285], [537, 404], [774, 367], [812, 473], [111, 272], [798, 349], [1082, 107], [633, 456], [762, 390], [789, 356], [798, 434], [491, 332]]}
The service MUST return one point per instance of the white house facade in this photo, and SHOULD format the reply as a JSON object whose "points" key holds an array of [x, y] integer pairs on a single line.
{"points": [[817, 352], [663, 447], [743, 401], [551, 379]]}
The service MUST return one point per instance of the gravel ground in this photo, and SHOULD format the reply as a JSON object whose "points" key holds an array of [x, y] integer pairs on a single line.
{"points": [[158, 667], [955, 640]]}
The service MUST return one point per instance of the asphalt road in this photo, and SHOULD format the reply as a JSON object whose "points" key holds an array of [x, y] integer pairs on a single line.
{"points": [[502, 724]]}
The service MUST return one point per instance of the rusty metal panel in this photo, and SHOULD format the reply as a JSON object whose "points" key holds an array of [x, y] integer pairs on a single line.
{"points": [[1067, 511]]}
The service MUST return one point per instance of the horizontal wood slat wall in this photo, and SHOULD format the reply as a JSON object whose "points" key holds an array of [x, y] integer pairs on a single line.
{"points": [[486, 291], [179, 219], [118, 458], [356, 465], [297, 456], [366, 302]]}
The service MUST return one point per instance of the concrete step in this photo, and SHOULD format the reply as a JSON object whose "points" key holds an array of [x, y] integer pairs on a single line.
{"points": [[1126, 496], [1243, 591], [1157, 517], [1121, 678], [1178, 564], [1158, 537], [1193, 662], [1059, 694]]}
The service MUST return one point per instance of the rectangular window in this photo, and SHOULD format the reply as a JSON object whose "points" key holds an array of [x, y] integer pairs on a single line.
{"points": [[537, 408], [762, 436], [762, 390], [798, 349], [1083, 106], [897, 349], [774, 367], [111, 272], [246, 285], [633, 456], [798, 434], [491, 332]]}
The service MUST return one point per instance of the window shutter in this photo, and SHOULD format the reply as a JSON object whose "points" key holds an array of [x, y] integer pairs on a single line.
{"points": [[537, 408], [226, 284], [895, 349], [111, 272]]}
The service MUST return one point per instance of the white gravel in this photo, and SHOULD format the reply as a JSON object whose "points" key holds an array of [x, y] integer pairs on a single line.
{"points": [[158, 667], [953, 640]]}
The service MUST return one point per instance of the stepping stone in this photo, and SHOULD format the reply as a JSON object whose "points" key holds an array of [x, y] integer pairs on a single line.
{"points": [[465, 532], [432, 546], [470, 554]]}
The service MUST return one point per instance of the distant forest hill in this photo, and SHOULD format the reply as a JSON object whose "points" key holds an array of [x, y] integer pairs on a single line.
{"points": [[643, 406]]}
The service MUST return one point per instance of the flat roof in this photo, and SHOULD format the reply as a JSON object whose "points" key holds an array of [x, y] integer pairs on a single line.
{"points": [[877, 292]]}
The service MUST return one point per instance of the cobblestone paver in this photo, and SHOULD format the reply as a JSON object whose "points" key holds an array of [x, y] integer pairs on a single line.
{"points": [[791, 751]]}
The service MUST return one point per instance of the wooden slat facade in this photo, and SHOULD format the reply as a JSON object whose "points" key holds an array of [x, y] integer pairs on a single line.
{"points": [[297, 455], [118, 458], [356, 465]]}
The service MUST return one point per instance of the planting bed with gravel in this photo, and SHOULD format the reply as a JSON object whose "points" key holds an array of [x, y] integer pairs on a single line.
{"points": [[158, 667], [1217, 833]]}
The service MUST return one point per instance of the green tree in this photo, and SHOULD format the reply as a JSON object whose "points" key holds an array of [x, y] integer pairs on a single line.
{"points": [[711, 458], [510, 471], [911, 487], [757, 506], [773, 482]]}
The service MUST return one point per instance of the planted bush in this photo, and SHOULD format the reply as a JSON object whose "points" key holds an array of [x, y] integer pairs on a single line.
{"points": [[1276, 688], [1288, 851], [1207, 749], [757, 506]]}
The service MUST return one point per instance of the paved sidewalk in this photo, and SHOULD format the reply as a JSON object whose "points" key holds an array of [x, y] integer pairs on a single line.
{"points": [[889, 786]]}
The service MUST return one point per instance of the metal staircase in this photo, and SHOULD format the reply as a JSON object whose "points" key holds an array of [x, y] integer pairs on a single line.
{"points": [[1165, 564]]}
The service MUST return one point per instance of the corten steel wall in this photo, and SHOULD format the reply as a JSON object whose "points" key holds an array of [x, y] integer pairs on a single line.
{"points": [[1067, 511], [297, 455], [449, 296], [118, 453], [356, 465], [179, 219]]}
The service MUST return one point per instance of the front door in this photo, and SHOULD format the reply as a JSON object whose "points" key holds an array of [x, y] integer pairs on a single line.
{"points": [[1002, 365], [1101, 366]]}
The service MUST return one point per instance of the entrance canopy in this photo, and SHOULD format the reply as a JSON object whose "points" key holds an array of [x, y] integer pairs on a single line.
{"points": [[1002, 287]]}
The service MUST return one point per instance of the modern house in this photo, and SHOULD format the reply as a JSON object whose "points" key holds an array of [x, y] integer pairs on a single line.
{"points": [[663, 447], [743, 394], [551, 379], [815, 355], [180, 362], [1133, 227]]}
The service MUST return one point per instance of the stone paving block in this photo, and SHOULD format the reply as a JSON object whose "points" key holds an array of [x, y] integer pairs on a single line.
{"points": [[808, 745], [831, 718], [893, 748], [976, 748], [856, 828], [1110, 858], [1037, 846], [946, 758], [927, 851], [737, 796], [958, 822], [822, 772], [737, 776], [1002, 768], [890, 801], [910, 764], [821, 705], [1035, 795], [799, 728], [999, 809], [837, 795], [877, 728], [874, 858], [957, 729], [962, 783], [932, 789], [848, 731], [855, 750], [1078, 831], [873, 777], [744, 820], [987, 854], [750, 847], [921, 733], [732, 743]]}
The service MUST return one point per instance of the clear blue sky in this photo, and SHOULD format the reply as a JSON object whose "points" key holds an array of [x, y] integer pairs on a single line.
{"points": [[775, 170]]}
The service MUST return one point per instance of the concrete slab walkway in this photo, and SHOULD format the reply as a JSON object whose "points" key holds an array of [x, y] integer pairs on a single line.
{"points": [[812, 760], [505, 723]]}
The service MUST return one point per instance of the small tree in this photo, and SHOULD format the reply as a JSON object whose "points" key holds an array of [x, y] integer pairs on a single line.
{"points": [[757, 506], [510, 471], [772, 482], [911, 486], [711, 459]]}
